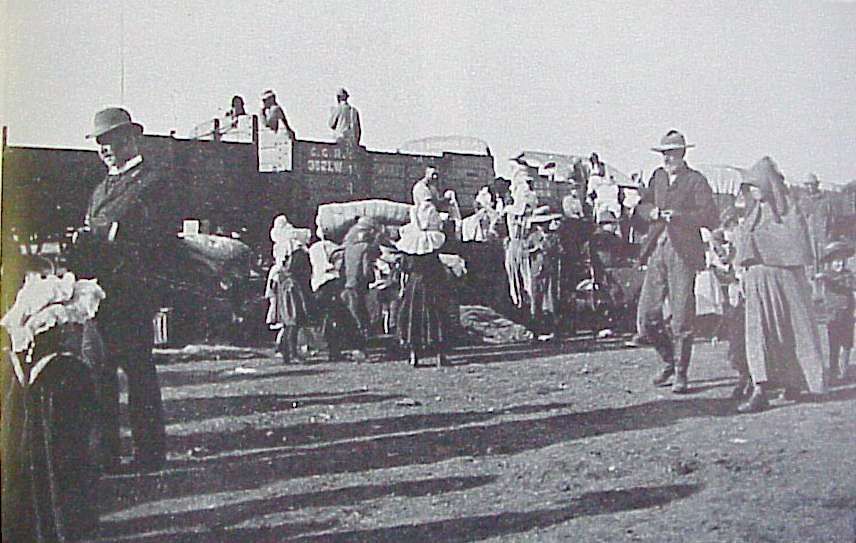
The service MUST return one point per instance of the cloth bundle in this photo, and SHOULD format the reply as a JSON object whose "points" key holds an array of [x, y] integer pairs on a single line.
{"points": [[42, 303], [335, 219]]}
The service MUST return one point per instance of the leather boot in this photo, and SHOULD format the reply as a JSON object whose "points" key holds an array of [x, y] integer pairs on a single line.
{"points": [[742, 388], [683, 349], [756, 402], [442, 361], [680, 385], [664, 378]]}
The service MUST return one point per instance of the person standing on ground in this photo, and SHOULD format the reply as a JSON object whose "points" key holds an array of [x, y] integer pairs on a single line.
{"points": [[545, 253], [360, 252], [817, 208], [782, 341], [838, 282], [676, 205], [422, 324], [289, 300], [345, 120], [127, 242], [327, 262]]}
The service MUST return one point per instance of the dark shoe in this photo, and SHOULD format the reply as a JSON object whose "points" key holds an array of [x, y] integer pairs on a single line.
{"points": [[636, 341], [664, 377], [442, 361], [791, 394], [742, 389], [756, 402], [680, 385]]}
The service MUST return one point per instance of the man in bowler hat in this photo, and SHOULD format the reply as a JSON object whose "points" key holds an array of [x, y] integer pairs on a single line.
{"points": [[676, 205], [125, 244]]}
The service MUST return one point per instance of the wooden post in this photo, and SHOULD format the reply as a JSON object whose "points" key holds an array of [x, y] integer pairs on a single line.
{"points": [[216, 130], [256, 142]]}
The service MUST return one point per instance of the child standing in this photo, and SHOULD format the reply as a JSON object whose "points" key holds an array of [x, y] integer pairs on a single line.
{"points": [[839, 283]]}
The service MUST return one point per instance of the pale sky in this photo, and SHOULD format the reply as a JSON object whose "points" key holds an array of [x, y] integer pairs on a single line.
{"points": [[741, 80]]}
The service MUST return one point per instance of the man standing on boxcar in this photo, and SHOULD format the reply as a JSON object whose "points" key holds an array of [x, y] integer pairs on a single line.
{"points": [[126, 244], [345, 120], [677, 204]]}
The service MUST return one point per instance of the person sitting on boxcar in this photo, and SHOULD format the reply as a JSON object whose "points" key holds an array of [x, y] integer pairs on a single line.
{"points": [[273, 114], [236, 110]]}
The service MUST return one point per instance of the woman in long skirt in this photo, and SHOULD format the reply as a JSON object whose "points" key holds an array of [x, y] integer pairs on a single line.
{"points": [[50, 437], [289, 301], [782, 341], [422, 325]]}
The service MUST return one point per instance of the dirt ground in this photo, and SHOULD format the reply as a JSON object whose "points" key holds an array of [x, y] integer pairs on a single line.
{"points": [[567, 442]]}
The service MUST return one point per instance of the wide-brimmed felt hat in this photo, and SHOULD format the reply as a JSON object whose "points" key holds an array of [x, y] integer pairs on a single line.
{"points": [[342, 92], [673, 140], [109, 119], [836, 250], [268, 93]]}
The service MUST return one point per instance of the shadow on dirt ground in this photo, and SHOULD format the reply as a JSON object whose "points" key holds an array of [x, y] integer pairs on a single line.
{"points": [[190, 409], [485, 526], [463, 529], [204, 377], [427, 447], [231, 515]]}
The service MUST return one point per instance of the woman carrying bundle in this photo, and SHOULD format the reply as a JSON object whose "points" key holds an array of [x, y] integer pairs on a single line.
{"points": [[422, 323], [287, 291]]}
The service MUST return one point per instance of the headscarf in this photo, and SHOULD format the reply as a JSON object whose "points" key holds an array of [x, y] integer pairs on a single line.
{"points": [[774, 232]]}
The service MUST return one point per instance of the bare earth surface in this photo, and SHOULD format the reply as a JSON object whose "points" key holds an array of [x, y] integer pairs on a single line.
{"points": [[514, 443]]}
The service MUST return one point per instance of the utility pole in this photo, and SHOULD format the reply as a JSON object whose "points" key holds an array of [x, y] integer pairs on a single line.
{"points": [[122, 52]]}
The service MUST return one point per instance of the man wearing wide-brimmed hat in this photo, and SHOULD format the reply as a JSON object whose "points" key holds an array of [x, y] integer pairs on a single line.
{"points": [[676, 205], [126, 244]]}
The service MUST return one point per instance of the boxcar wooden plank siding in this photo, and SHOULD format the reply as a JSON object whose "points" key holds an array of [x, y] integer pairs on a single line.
{"points": [[45, 190]]}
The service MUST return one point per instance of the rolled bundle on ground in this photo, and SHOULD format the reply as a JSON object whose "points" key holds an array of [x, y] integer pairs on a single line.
{"points": [[219, 256], [335, 219]]}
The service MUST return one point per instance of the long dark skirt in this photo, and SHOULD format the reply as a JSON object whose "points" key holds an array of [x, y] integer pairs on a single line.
{"points": [[422, 317], [49, 451]]}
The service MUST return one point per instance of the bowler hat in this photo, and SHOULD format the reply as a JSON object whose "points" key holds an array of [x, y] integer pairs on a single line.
{"points": [[110, 119], [342, 92], [268, 94], [672, 141]]}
